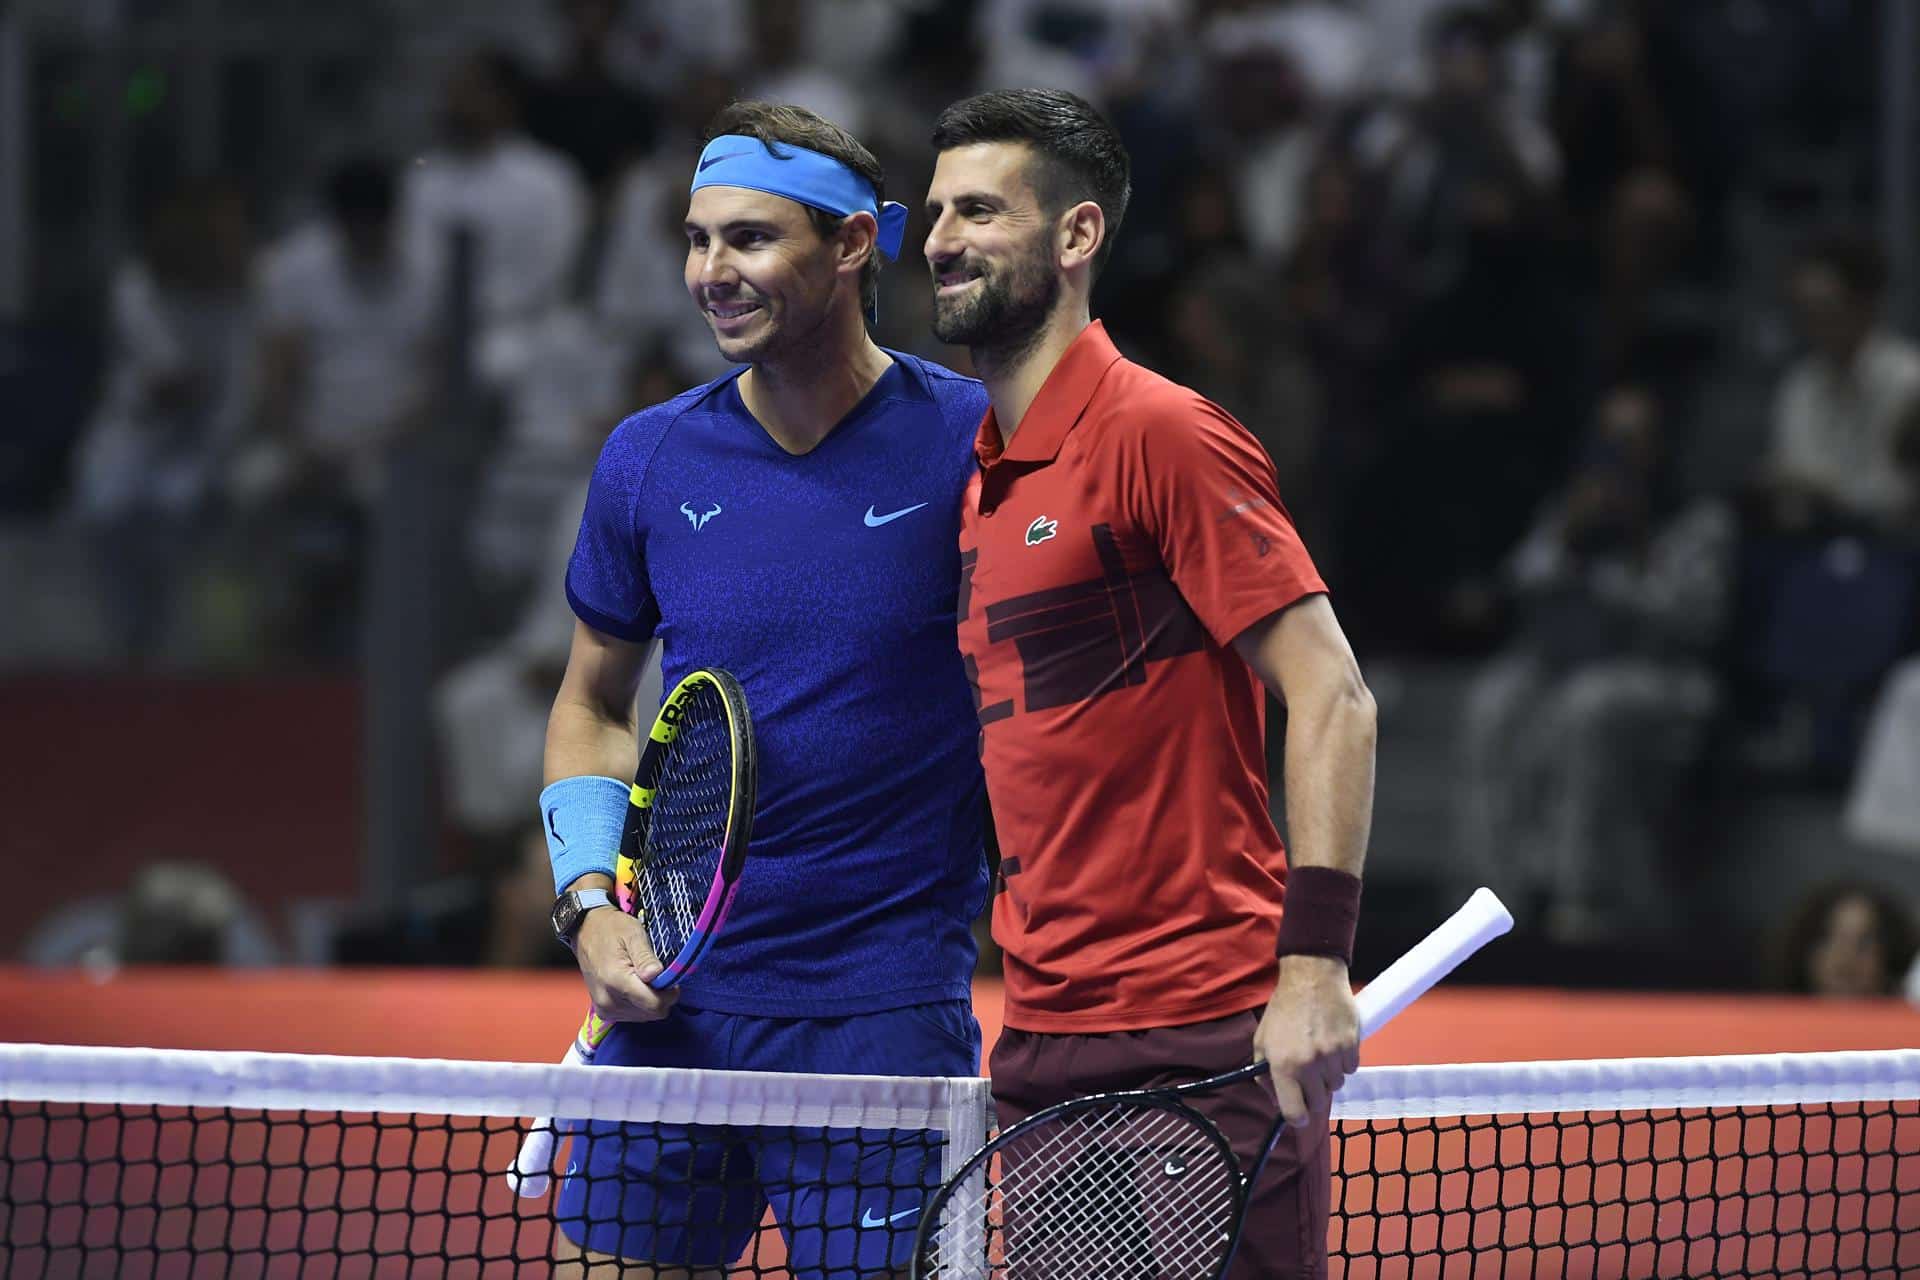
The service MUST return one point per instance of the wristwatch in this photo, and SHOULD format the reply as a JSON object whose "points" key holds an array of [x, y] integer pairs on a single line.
{"points": [[571, 907]]}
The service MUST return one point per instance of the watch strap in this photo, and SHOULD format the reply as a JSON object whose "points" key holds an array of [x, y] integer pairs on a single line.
{"points": [[583, 901]]}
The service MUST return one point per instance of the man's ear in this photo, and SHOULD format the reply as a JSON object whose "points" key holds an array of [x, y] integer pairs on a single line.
{"points": [[859, 237], [1083, 229]]}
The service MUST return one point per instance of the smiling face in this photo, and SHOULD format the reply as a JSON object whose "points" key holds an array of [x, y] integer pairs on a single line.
{"points": [[760, 273], [990, 246]]}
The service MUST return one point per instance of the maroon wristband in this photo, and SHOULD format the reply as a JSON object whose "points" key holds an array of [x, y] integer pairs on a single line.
{"points": [[1322, 911]]}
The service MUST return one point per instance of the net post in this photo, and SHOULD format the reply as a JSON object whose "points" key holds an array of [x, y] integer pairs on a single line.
{"points": [[963, 1249]]}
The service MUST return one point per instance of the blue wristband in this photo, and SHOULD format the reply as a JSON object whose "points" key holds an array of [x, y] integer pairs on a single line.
{"points": [[584, 819]]}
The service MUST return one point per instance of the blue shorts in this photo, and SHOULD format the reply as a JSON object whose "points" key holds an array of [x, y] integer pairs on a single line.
{"points": [[693, 1196]]}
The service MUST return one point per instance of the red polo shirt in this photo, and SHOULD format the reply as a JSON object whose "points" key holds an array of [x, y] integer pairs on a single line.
{"points": [[1109, 556]]}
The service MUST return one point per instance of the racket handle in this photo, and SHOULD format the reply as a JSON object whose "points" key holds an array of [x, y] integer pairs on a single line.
{"points": [[1479, 921], [532, 1166]]}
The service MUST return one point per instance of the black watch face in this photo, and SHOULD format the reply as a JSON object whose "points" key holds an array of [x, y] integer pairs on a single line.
{"points": [[565, 912]]}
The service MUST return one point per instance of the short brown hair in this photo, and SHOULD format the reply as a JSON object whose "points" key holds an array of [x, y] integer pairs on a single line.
{"points": [[775, 123]]}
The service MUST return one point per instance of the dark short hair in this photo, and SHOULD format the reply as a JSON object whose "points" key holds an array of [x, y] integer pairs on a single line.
{"points": [[1079, 156], [776, 123], [361, 187], [1851, 254]]}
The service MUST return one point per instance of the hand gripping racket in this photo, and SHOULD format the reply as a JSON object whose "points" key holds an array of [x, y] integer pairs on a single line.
{"points": [[689, 817], [1139, 1185]]}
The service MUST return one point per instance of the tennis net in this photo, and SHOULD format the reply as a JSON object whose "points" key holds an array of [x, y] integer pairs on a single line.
{"points": [[176, 1163], [1790, 1165], [119, 1162]]}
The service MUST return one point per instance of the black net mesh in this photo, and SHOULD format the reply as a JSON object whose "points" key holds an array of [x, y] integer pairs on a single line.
{"points": [[1827, 1191], [142, 1191], [1817, 1189], [687, 825]]}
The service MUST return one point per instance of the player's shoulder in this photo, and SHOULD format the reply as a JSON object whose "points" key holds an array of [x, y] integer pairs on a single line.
{"points": [[1139, 403], [631, 455], [937, 374], [641, 433], [962, 400]]}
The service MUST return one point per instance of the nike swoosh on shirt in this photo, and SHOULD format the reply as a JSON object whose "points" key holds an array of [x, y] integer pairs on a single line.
{"points": [[869, 1222], [711, 161], [874, 521]]}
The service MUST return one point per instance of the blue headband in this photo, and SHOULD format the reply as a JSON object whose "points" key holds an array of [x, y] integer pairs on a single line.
{"points": [[820, 182]]}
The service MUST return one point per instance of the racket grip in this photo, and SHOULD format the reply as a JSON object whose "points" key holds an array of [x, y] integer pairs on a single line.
{"points": [[1480, 920], [532, 1166]]}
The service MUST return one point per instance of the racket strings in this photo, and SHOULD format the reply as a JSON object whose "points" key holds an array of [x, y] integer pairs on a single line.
{"points": [[1122, 1192], [687, 825]]}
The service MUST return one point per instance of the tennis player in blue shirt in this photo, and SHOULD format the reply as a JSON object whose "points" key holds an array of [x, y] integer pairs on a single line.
{"points": [[795, 522]]}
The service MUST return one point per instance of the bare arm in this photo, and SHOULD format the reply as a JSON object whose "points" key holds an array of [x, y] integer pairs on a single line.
{"points": [[593, 730], [1301, 654], [1311, 1030]]}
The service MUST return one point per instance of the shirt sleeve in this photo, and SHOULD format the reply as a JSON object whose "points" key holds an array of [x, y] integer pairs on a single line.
{"points": [[1204, 491], [607, 582]]}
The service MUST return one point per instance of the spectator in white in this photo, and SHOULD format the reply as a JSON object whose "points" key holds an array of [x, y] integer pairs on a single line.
{"points": [[1883, 803], [639, 288], [1263, 103], [556, 414], [1575, 733], [780, 68], [1838, 408], [349, 311], [524, 203], [177, 389], [490, 712]]}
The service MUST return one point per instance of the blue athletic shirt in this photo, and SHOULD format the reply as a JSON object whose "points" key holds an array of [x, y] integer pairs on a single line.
{"points": [[827, 583]]}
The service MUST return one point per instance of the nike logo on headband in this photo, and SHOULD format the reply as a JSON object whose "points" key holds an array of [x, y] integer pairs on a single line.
{"points": [[711, 161]]}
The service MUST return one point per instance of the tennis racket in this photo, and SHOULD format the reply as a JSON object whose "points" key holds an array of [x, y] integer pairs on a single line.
{"points": [[689, 817], [1139, 1185]]}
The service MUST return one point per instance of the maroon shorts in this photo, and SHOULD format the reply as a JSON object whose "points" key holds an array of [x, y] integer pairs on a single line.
{"points": [[1286, 1226]]}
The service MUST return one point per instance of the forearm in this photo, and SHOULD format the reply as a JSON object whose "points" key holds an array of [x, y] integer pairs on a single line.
{"points": [[585, 741], [1310, 1030], [1329, 776], [591, 750], [586, 737]]}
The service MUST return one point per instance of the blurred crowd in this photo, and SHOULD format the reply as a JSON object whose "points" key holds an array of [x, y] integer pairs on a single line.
{"points": [[1562, 321]]}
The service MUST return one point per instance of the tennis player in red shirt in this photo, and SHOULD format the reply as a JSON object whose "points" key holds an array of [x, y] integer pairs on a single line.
{"points": [[1129, 579]]}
